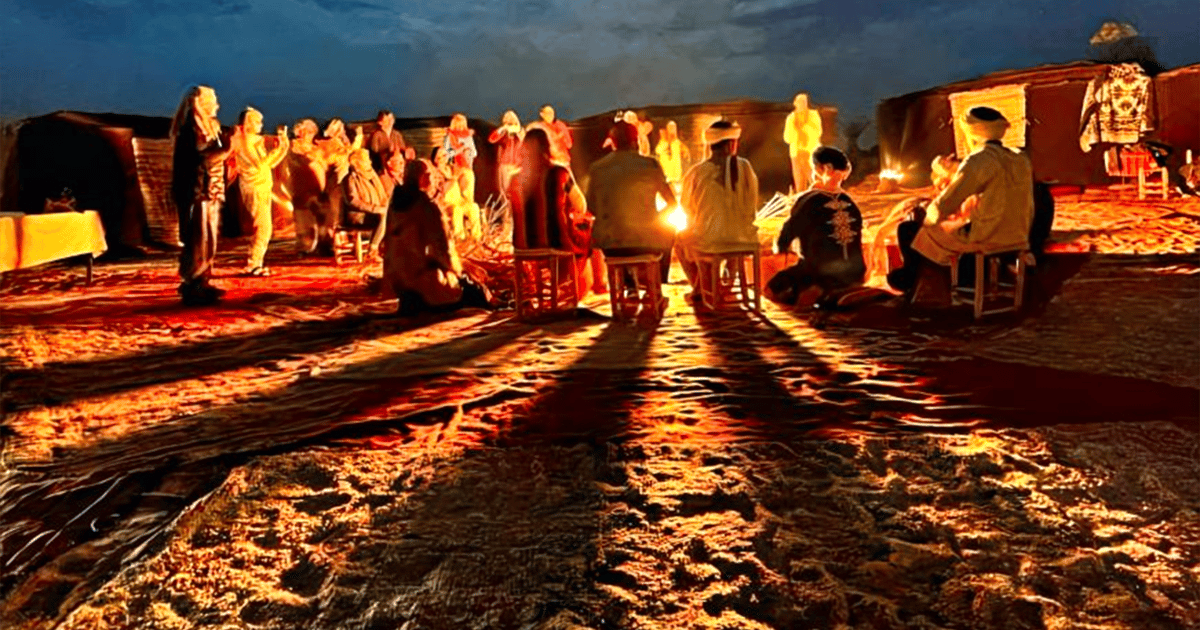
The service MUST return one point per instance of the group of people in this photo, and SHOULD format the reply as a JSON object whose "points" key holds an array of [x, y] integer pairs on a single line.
{"points": [[423, 207], [985, 203], [331, 178]]}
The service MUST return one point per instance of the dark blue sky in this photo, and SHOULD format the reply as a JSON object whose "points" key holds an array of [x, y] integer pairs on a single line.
{"points": [[321, 58]]}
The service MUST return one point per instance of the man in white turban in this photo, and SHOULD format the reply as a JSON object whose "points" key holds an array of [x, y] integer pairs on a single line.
{"points": [[720, 199], [1003, 181]]}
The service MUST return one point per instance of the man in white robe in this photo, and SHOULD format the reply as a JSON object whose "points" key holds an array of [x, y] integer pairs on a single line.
{"points": [[720, 199]]}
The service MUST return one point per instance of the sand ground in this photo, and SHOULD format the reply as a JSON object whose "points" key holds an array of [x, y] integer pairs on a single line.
{"points": [[300, 458]]}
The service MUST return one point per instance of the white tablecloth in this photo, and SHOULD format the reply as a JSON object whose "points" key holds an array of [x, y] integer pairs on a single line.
{"points": [[28, 240]]}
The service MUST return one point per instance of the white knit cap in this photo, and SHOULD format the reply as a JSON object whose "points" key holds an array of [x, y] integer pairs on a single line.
{"points": [[987, 123], [713, 135]]}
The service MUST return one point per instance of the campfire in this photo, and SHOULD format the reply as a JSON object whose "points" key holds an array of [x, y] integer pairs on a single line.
{"points": [[889, 181], [676, 217]]}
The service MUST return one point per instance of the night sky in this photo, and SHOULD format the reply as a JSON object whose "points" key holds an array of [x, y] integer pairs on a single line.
{"points": [[321, 58]]}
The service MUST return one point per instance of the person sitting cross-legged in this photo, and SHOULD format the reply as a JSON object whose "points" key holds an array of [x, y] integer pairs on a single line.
{"points": [[829, 226]]}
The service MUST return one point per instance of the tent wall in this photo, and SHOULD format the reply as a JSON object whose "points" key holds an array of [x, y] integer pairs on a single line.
{"points": [[133, 216], [9, 176], [1054, 111], [153, 158], [915, 128], [1178, 98]]}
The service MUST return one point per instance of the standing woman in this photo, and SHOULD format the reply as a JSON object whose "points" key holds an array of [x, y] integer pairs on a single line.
{"points": [[199, 149], [254, 168]]}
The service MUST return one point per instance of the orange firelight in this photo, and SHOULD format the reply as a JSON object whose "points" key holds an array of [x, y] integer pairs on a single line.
{"points": [[676, 218]]}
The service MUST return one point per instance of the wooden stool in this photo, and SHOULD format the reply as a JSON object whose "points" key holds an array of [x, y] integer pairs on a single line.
{"points": [[541, 288], [1152, 180], [351, 236], [647, 285], [731, 287], [993, 287]]}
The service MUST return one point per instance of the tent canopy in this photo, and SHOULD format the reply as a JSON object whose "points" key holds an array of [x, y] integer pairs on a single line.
{"points": [[915, 128]]}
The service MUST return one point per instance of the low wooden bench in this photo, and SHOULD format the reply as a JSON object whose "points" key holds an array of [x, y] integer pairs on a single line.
{"points": [[541, 287], [723, 280], [646, 289]]}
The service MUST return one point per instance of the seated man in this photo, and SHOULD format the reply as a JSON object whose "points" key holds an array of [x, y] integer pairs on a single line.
{"points": [[720, 197], [393, 173], [828, 225], [365, 192], [420, 264], [1001, 220], [622, 191]]}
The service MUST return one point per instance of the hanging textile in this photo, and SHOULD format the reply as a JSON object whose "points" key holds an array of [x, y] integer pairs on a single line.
{"points": [[1117, 107], [1009, 100]]}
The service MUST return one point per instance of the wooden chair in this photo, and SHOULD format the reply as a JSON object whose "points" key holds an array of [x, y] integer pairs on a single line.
{"points": [[1152, 180], [991, 290], [353, 234], [541, 288], [722, 278], [646, 289]]}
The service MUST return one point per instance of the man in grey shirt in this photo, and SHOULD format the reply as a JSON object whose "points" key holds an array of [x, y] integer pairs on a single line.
{"points": [[622, 194]]}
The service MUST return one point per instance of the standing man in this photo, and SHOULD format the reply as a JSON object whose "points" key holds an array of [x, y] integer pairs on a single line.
{"points": [[199, 149], [802, 133], [254, 168], [507, 138], [560, 136], [386, 140], [672, 154]]}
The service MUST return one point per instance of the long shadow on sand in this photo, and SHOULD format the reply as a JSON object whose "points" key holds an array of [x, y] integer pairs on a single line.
{"points": [[61, 382], [84, 495], [507, 534]]}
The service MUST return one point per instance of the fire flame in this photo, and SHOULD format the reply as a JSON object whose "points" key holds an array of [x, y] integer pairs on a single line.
{"points": [[891, 174], [677, 219]]}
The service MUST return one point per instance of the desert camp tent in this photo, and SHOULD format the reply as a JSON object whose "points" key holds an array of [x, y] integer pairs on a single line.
{"points": [[1177, 93], [91, 154], [761, 143], [915, 128]]}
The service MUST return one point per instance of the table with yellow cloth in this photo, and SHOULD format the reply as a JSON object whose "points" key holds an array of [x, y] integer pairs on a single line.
{"points": [[28, 240]]}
